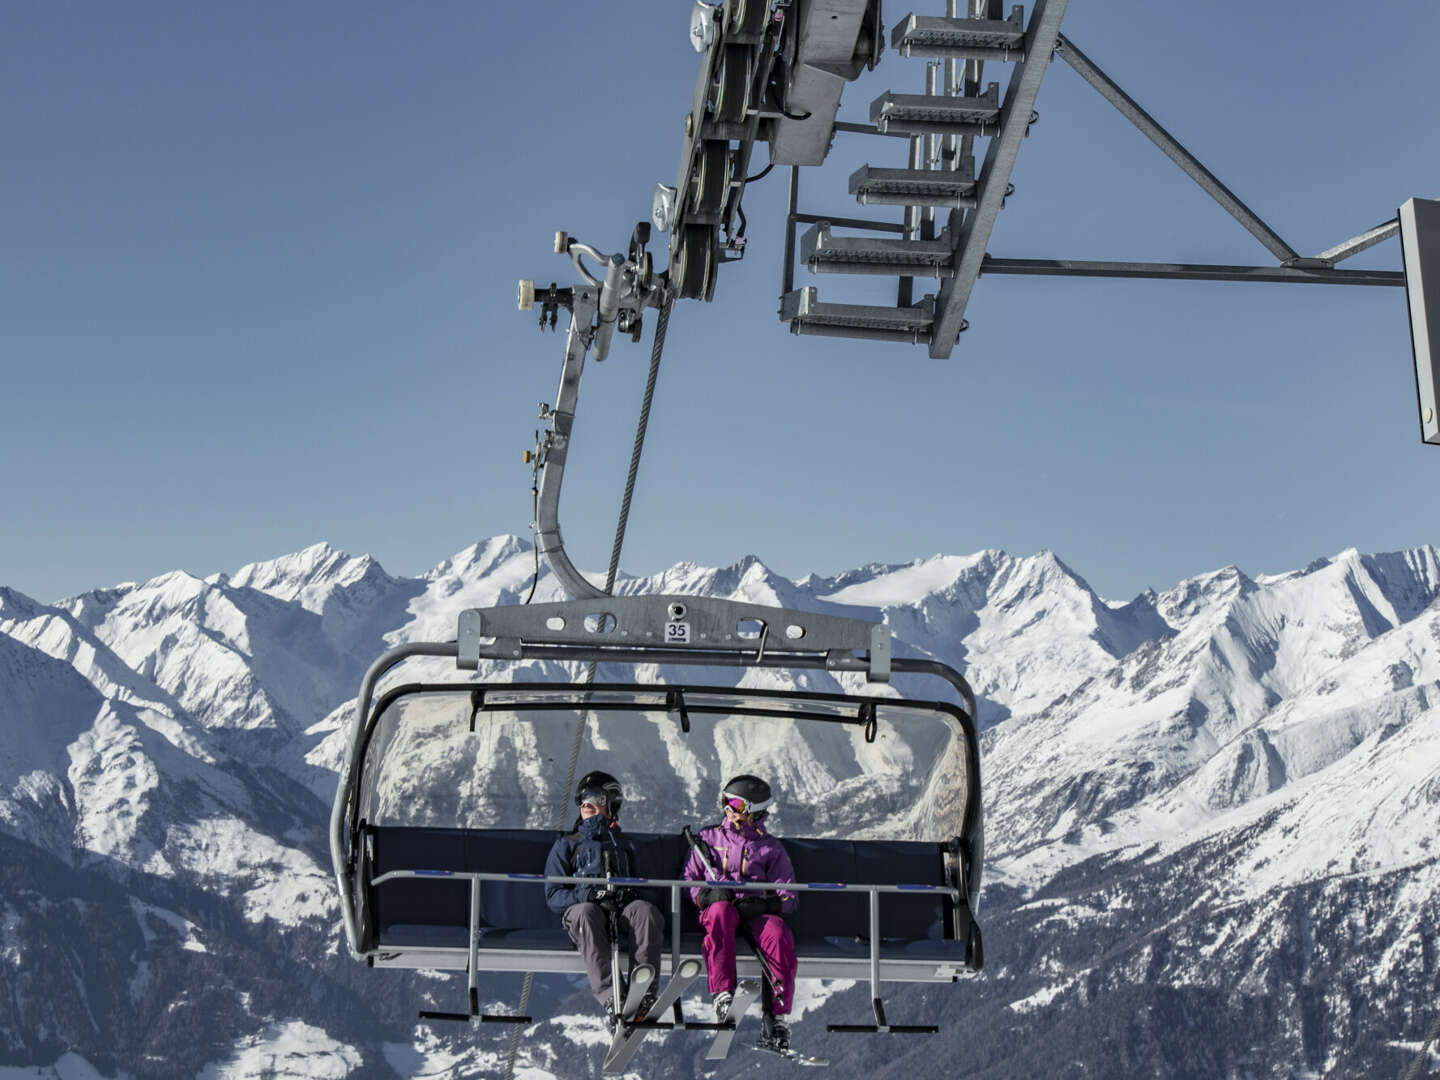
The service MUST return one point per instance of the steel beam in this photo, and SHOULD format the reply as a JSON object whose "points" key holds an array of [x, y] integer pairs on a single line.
{"points": [[1355, 245], [1191, 271], [1086, 69], [973, 234]]}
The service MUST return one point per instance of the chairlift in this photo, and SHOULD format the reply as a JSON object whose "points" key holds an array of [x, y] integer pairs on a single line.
{"points": [[445, 809]]}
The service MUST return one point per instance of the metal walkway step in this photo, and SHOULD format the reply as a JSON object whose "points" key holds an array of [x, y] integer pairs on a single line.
{"points": [[914, 187], [961, 39], [930, 114], [825, 252], [807, 315]]}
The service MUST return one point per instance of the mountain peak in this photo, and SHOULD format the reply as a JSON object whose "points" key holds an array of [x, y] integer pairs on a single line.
{"points": [[481, 557], [16, 605]]}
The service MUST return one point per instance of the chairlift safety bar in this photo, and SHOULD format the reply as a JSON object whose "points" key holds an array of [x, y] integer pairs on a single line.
{"points": [[475, 877], [684, 883]]}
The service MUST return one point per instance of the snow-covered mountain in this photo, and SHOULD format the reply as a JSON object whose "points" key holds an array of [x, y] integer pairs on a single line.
{"points": [[1211, 822]]}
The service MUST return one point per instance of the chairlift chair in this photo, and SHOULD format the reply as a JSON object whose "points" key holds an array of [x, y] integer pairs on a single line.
{"points": [[436, 873]]}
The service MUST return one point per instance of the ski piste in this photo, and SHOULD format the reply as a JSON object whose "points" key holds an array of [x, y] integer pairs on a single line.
{"points": [[745, 995], [791, 1055], [629, 1037]]}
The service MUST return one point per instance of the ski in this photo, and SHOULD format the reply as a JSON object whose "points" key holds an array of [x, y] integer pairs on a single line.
{"points": [[745, 995], [628, 1038], [792, 1055], [640, 980]]}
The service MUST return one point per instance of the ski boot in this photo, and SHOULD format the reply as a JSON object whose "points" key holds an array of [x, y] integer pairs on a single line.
{"points": [[642, 1011], [774, 1032]]}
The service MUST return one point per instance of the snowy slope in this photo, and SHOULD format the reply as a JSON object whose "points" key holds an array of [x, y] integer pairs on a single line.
{"points": [[1216, 802]]}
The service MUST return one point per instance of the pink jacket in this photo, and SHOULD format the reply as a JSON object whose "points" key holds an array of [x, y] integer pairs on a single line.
{"points": [[745, 853]]}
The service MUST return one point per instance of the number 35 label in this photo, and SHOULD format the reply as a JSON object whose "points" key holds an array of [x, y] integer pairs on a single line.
{"points": [[677, 633]]}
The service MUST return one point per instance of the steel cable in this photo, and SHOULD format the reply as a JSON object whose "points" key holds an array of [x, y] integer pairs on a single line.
{"points": [[1414, 1069], [662, 325]]}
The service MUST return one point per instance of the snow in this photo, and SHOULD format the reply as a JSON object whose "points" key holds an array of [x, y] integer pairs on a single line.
{"points": [[909, 584], [145, 913], [275, 882], [428, 1056], [284, 1050], [70, 1066], [1040, 998]]}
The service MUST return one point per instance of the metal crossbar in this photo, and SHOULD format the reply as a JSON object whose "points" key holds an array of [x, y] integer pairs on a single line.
{"points": [[683, 883]]}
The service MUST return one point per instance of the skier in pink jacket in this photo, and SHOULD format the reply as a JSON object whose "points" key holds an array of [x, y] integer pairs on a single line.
{"points": [[741, 850]]}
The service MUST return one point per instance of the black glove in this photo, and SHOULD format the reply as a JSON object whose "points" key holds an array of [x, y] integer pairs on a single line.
{"points": [[710, 895], [598, 894], [754, 906]]}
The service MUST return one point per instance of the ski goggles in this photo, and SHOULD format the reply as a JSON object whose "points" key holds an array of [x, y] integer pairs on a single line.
{"points": [[739, 805], [595, 800]]}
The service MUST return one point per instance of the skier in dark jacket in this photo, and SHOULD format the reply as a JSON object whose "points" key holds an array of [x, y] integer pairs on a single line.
{"points": [[595, 843], [741, 849]]}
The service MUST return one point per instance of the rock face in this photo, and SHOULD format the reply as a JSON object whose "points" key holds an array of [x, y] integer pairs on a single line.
{"points": [[1211, 823]]}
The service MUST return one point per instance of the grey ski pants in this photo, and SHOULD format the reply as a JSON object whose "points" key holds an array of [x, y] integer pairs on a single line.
{"points": [[587, 926]]}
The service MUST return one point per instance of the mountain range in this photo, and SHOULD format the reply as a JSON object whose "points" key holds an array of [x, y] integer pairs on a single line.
{"points": [[1211, 822]]}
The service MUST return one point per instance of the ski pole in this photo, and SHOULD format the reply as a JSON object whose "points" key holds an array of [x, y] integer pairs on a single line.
{"points": [[612, 923]]}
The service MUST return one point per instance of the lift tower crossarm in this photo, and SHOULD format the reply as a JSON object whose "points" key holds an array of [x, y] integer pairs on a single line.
{"points": [[1086, 69], [974, 234], [1305, 274]]}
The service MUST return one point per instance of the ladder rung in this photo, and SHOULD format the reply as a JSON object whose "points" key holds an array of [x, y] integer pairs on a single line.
{"points": [[961, 39], [912, 187], [921, 114], [807, 315], [825, 252]]}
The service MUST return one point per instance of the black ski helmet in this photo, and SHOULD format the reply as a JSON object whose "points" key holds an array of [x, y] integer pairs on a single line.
{"points": [[752, 789], [601, 783]]}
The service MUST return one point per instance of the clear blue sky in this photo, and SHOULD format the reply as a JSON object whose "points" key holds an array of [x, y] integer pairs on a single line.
{"points": [[258, 291]]}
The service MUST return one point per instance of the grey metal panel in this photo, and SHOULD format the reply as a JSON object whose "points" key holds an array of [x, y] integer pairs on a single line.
{"points": [[826, 37], [974, 234], [1420, 246], [652, 621]]}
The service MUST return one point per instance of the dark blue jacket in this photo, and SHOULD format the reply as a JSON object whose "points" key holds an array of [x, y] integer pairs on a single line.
{"points": [[582, 854]]}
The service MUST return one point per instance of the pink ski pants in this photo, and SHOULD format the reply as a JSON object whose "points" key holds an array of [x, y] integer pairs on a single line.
{"points": [[777, 944]]}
